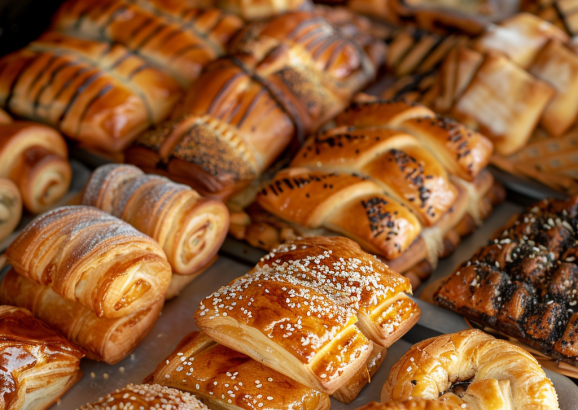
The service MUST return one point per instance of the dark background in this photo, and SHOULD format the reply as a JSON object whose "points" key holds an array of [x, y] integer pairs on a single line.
{"points": [[21, 21]]}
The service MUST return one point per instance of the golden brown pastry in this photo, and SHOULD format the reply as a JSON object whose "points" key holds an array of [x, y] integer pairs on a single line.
{"points": [[497, 374], [561, 13], [189, 228], [4, 117], [261, 9], [100, 94], [226, 379], [416, 404], [35, 157], [94, 259], [108, 340], [146, 396], [10, 207], [38, 364], [180, 44]]}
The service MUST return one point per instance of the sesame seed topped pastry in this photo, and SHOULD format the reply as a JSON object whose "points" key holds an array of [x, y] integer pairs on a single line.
{"points": [[226, 379], [146, 396]]}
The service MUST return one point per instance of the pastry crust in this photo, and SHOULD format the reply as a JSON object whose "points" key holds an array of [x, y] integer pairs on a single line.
{"points": [[226, 379], [189, 228], [10, 207], [92, 258], [38, 364]]}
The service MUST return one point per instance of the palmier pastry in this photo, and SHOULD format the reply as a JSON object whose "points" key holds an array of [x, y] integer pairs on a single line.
{"points": [[100, 94], [472, 369], [189, 228], [180, 44], [92, 258], [108, 340], [226, 379], [10, 207], [38, 364], [35, 157], [146, 396]]}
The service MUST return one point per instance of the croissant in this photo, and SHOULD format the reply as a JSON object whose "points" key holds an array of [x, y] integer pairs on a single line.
{"points": [[500, 374], [108, 340], [190, 229], [180, 44], [35, 157], [92, 258], [100, 94], [226, 379], [146, 396], [10, 207], [38, 366]]}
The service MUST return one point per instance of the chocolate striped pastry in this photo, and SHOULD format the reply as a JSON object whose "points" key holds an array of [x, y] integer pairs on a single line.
{"points": [[38, 364], [10, 207], [108, 340], [523, 283], [226, 379], [189, 228], [98, 93], [92, 258], [180, 44], [285, 78], [35, 157]]}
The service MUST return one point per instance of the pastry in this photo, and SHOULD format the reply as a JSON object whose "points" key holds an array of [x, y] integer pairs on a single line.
{"points": [[108, 340], [35, 157], [38, 364], [92, 258], [472, 369], [416, 404], [226, 379], [180, 44], [261, 9], [153, 396], [4, 117], [10, 207], [522, 283], [189, 228], [561, 13], [97, 93]]}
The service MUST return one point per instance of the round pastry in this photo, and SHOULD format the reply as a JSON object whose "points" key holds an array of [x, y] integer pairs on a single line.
{"points": [[10, 207], [147, 396], [472, 370]]}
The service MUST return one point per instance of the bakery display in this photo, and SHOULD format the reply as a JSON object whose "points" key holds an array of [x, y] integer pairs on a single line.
{"points": [[189, 228], [92, 258], [10, 207], [38, 364], [35, 157], [100, 94], [522, 282], [471, 369], [108, 340], [226, 379], [283, 79], [146, 396], [178, 42]]}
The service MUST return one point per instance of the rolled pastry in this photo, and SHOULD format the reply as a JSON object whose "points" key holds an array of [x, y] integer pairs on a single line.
{"points": [[92, 258], [108, 340], [35, 157], [38, 364], [226, 379], [146, 396], [10, 207], [189, 228]]}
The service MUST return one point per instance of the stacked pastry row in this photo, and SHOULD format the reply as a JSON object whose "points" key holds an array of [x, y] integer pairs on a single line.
{"points": [[523, 283], [399, 180]]}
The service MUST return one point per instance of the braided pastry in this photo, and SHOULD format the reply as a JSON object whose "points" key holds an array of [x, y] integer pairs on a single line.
{"points": [[473, 369], [10, 207], [38, 364], [146, 396], [190, 229], [92, 258], [35, 157]]}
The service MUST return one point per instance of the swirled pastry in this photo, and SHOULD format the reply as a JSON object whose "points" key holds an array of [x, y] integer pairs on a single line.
{"points": [[226, 379], [92, 258], [35, 157], [473, 369], [38, 364], [189, 228], [146, 396], [108, 340], [10, 207]]}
